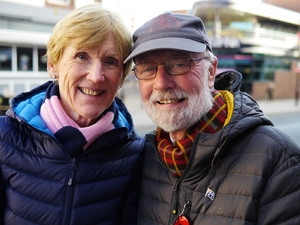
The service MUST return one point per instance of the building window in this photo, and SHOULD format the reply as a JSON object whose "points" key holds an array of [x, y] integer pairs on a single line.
{"points": [[24, 59], [65, 3], [42, 59], [5, 58]]}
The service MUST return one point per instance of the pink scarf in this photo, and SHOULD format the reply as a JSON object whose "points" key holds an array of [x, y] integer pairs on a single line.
{"points": [[56, 120]]}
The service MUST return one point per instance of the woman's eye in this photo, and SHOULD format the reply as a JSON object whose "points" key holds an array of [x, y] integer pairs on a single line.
{"points": [[82, 56], [112, 62]]}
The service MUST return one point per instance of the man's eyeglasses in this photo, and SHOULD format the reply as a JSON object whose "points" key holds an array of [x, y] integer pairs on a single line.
{"points": [[174, 67]]}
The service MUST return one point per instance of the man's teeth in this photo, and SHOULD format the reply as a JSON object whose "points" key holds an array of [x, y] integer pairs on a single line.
{"points": [[90, 92], [169, 101]]}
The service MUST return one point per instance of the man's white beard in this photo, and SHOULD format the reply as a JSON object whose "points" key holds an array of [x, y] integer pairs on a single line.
{"points": [[182, 117]]}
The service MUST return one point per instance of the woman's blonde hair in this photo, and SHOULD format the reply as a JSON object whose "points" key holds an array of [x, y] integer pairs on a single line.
{"points": [[87, 27]]}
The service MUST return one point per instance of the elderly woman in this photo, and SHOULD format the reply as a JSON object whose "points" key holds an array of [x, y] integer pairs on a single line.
{"points": [[69, 153]]}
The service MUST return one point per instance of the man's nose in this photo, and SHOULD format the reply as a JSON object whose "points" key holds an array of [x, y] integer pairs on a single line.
{"points": [[163, 80]]}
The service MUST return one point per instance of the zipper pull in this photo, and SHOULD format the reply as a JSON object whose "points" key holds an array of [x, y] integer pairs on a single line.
{"points": [[73, 168], [185, 207], [215, 161], [174, 188]]}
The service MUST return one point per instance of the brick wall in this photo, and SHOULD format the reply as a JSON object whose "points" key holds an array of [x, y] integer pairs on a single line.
{"points": [[259, 89], [284, 85]]}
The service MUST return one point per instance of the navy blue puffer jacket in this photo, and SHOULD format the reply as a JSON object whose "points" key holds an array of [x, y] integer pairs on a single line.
{"points": [[44, 183]]}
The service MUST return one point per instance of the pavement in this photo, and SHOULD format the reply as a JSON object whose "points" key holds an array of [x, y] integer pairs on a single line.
{"points": [[279, 106], [142, 121]]}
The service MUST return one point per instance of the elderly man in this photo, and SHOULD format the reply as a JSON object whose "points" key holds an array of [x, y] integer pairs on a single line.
{"points": [[215, 158]]}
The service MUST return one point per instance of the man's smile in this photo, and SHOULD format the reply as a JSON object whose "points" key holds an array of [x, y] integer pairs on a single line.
{"points": [[170, 101]]}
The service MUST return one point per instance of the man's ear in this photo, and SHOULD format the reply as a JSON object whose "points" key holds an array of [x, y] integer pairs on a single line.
{"points": [[212, 73]]}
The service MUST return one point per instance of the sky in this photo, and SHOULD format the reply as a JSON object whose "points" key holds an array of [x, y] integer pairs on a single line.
{"points": [[136, 12]]}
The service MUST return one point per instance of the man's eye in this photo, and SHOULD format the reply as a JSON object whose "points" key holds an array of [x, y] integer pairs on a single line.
{"points": [[148, 69], [179, 63]]}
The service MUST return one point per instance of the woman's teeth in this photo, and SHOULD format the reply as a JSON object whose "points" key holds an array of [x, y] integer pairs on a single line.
{"points": [[89, 92]]}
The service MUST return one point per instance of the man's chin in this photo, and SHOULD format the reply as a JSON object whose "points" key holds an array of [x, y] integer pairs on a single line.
{"points": [[170, 125], [178, 119]]}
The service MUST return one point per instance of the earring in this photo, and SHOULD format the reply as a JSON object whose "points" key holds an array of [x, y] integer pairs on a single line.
{"points": [[54, 76]]}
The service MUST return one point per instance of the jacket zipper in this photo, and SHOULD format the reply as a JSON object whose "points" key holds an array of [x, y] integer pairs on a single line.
{"points": [[69, 192], [173, 214], [215, 160], [72, 171]]}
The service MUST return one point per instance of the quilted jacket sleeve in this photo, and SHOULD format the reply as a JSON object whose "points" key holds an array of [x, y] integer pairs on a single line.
{"points": [[129, 213], [129, 210], [280, 201]]}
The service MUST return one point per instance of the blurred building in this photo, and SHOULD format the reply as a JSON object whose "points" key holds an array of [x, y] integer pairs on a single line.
{"points": [[25, 27], [258, 39], [288, 4]]}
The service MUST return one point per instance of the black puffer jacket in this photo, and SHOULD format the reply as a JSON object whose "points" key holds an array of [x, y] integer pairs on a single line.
{"points": [[246, 173], [43, 182]]}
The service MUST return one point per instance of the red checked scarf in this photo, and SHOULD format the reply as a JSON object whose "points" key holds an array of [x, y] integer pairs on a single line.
{"points": [[176, 155]]}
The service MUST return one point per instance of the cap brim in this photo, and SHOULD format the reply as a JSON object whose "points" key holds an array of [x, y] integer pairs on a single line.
{"points": [[167, 43]]}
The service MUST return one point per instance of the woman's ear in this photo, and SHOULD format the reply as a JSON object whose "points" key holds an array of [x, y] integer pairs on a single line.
{"points": [[51, 68]]}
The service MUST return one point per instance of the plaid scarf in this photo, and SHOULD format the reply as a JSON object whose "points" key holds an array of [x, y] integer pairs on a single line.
{"points": [[176, 156]]}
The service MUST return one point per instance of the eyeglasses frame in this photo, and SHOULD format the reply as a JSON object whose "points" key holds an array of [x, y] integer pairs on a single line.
{"points": [[190, 60]]}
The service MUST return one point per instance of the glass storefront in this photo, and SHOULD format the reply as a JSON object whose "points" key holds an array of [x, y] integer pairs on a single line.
{"points": [[24, 59], [254, 44], [42, 59], [5, 58]]}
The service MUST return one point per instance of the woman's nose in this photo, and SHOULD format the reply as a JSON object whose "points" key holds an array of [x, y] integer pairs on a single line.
{"points": [[96, 71]]}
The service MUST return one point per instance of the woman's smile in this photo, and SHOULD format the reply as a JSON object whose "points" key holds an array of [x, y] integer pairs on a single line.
{"points": [[90, 92]]}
